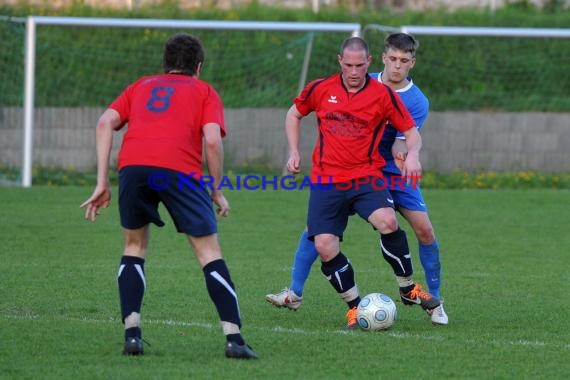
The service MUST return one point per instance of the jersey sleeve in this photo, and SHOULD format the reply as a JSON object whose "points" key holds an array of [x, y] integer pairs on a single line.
{"points": [[418, 106], [306, 101], [214, 110], [122, 104], [420, 113]]}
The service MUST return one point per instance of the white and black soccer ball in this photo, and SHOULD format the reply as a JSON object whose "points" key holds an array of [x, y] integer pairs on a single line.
{"points": [[376, 311]]}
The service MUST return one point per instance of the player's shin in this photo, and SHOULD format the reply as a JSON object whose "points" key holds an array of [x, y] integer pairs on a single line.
{"points": [[429, 257], [222, 293], [305, 256], [395, 251], [131, 282], [340, 274]]}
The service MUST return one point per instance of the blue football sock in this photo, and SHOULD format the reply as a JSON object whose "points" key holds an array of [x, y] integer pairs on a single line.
{"points": [[429, 257], [305, 256]]}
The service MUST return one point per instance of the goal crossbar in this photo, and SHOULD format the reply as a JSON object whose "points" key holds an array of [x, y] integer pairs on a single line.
{"points": [[30, 52], [282, 26], [474, 31]]}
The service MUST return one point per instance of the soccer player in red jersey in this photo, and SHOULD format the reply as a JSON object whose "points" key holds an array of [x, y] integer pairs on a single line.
{"points": [[170, 118], [352, 110]]}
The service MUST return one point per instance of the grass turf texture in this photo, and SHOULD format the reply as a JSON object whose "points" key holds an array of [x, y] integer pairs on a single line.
{"points": [[505, 262]]}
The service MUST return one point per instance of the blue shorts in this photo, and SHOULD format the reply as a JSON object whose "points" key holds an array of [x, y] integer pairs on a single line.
{"points": [[408, 196], [140, 194], [330, 206]]}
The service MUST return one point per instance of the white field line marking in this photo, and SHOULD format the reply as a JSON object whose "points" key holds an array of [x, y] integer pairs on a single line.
{"points": [[286, 330]]}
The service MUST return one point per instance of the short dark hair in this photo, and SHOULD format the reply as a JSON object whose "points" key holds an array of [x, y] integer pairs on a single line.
{"points": [[354, 44], [183, 54], [401, 41]]}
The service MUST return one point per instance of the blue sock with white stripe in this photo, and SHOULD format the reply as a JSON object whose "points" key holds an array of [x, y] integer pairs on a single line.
{"points": [[305, 256], [429, 257], [132, 283], [222, 291]]}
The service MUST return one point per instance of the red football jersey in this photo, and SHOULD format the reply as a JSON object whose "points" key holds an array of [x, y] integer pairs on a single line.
{"points": [[165, 115], [350, 126]]}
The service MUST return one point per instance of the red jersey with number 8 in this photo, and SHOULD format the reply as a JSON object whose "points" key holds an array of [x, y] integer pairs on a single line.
{"points": [[350, 127], [165, 115]]}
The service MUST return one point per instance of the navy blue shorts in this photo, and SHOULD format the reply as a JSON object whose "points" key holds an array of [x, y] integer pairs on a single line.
{"points": [[330, 206], [142, 188]]}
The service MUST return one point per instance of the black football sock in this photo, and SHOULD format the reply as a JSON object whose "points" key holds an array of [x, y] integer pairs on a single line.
{"points": [[236, 338], [133, 332], [132, 283], [340, 274], [406, 289], [395, 250], [222, 291]]}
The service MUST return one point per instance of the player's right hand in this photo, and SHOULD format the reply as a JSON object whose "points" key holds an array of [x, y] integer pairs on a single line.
{"points": [[101, 197], [399, 160]]}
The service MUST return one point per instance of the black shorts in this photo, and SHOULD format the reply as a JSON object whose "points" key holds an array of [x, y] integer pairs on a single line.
{"points": [[142, 188]]}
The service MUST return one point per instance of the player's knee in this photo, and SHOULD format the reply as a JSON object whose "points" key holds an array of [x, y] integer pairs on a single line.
{"points": [[327, 247], [384, 220], [387, 225], [424, 233]]}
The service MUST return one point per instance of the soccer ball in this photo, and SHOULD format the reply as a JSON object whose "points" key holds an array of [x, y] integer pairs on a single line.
{"points": [[376, 311]]}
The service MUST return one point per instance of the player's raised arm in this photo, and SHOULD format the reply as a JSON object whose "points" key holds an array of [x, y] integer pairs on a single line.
{"points": [[293, 131]]}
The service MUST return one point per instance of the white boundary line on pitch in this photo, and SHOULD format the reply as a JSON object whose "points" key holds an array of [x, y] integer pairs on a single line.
{"points": [[286, 330]]}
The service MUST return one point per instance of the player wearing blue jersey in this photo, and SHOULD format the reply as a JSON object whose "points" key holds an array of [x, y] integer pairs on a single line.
{"points": [[398, 58]]}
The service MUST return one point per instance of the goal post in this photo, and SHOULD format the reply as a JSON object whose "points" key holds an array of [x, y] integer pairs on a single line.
{"points": [[33, 22]]}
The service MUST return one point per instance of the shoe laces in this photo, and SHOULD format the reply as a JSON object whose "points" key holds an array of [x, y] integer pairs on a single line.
{"points": [[290, 296], [286, 295], [351, 316], [418, 292]]}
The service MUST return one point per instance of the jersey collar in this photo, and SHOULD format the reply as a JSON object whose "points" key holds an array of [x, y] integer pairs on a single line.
{"points": [[403, 89]]}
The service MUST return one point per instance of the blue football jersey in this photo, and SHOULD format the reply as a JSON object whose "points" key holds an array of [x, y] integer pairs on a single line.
{"points": [[418, 106]]}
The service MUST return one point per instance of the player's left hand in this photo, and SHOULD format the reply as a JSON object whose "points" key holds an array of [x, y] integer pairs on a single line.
{"points": [[223, 206], [101, 197]]}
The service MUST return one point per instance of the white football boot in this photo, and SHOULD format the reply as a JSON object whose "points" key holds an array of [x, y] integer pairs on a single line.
{"points": [[438, 316], [285, 298]]}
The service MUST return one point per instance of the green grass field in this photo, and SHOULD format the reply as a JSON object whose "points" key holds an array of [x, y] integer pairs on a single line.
{"points": [[505, 265]]}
